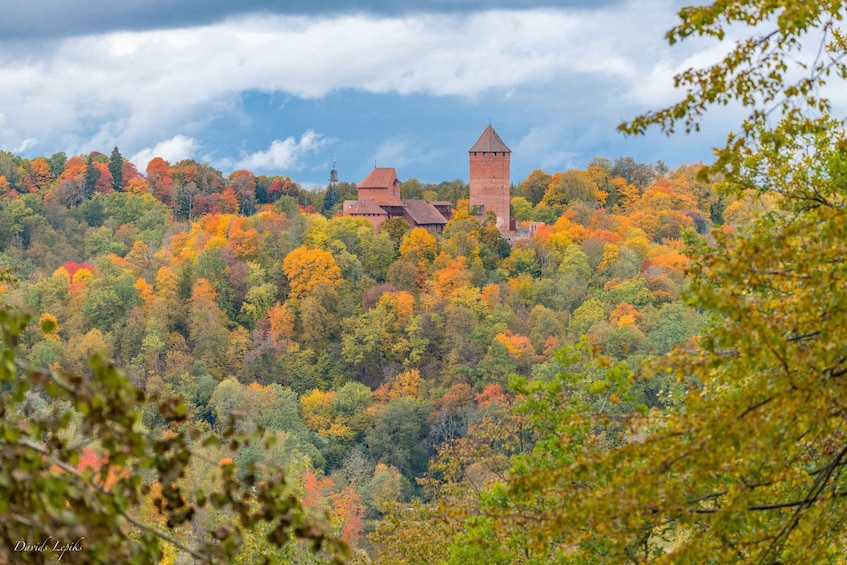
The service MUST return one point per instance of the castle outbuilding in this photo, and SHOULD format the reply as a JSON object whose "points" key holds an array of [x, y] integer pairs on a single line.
{"points": [[379, 199]]}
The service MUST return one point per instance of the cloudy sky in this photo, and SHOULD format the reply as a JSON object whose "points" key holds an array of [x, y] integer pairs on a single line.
{"points": [[402, 83]]}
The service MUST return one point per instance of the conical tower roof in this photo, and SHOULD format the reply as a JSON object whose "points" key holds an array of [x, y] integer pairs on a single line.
{"points": [[489, 141]]}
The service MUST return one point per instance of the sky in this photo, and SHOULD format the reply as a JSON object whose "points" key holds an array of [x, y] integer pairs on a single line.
{"points": [[392, 83]]}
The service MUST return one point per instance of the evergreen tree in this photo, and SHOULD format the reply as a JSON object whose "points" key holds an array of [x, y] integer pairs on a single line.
{"points": [[331, 197], [92, 174], [116, 167]]}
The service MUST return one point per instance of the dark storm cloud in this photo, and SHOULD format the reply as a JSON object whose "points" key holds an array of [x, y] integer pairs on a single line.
{"points": [[60, 18]]}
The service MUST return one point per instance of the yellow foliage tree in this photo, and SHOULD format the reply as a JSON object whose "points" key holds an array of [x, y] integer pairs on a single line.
{"points": [[49, 326], [420, 248], [166, 283], [624, 314], [406, 384], [306, 268], [82, 276], [316, 410], [145, 291]]}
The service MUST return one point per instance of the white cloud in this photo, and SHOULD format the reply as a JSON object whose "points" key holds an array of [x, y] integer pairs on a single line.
{"points": [[400, 152], [537, 139], [172, 150], [657, 88], [394, 152], [26, 144], [559, 161], [543, 143], [132, 88], [285, 154]]}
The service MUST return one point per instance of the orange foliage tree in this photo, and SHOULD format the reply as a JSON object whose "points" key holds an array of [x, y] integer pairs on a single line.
{"points": [[40, 173]]}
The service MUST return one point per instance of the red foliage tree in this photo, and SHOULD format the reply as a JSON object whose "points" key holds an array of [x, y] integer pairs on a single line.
{"points": [[105, 182], [160, 180]]}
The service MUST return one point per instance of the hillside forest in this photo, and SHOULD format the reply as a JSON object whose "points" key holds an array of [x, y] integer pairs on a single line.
{"points": [[369, 356], [206, 368]]}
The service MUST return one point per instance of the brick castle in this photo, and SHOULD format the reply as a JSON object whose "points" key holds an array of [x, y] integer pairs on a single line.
{"points": [[379, 194], [489, 178]]}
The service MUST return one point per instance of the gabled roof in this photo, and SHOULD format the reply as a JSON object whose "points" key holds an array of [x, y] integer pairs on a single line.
{"points": [[423, 213], [354, 207], [380, 177], [489, 141]]}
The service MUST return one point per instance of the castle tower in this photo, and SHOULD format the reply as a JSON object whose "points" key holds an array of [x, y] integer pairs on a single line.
{"points": [[381, 186], [489, 177], [333, 174]]}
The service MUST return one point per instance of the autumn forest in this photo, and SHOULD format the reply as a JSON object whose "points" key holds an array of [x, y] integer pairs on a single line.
{"points": [[369, 356], [199, 366]]}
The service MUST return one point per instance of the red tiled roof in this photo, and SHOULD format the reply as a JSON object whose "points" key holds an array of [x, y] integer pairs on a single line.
{"points": [[359, 207], [381, 177], [423, 213], [489, 141]]}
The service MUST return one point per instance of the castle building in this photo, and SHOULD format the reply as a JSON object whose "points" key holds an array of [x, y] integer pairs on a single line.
{"points": [[379, 199], [489, 178], [367, 209], [379, 194], [381, 186]]}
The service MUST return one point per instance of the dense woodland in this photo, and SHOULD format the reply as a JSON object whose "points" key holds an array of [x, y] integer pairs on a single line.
{"points": [[655, 374], [368, 355]]}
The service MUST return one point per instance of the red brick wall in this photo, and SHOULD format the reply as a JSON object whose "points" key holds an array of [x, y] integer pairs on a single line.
{"points": [[377, 221], [489, 180], [380, 195]]}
